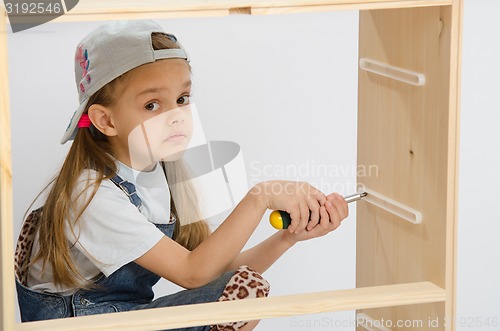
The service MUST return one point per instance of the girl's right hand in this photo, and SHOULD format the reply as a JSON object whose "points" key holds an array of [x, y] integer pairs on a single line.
{"points": [[301, 200]]}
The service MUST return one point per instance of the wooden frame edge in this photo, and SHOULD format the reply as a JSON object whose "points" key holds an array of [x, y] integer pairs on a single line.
{"points": [[250, 309], [453, 163], [7, 296], [158, 10], [7, 292]]}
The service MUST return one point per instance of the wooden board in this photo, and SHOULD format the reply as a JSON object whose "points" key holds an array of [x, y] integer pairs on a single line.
{"points": [[410, 134], [92, 10], [251, 309], [7, 251], [455, 15]]}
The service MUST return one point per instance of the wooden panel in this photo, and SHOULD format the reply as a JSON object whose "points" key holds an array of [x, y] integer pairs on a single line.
{"points": [[90, 10], [454, 53], [409, 134], [221, 312], [6, 232], [344, 5]]}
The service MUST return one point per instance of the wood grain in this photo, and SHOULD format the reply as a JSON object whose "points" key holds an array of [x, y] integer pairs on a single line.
{"points": [[410, 134], [6, 232], [221, 312], [92, 10], [455, 15]]}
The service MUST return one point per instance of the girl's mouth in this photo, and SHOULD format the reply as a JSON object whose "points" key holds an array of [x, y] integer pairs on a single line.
{"points": [[176, 137]]}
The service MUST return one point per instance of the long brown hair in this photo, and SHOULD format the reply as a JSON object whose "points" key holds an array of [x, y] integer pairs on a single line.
{"points": [[91, 150]]}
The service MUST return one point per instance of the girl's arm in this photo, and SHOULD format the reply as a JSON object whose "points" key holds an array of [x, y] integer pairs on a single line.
{"points": [[262, 256], [211, 258]]}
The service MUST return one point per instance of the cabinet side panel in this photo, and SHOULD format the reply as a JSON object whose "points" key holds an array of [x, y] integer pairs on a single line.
{"points": [[403, 153]]}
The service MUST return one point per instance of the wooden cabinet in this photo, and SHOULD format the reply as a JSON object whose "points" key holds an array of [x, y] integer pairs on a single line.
{"points": [[405, 272]]}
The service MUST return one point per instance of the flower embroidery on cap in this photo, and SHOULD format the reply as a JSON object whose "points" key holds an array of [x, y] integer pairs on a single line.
{"points": [[82, 58], [71, 120]]}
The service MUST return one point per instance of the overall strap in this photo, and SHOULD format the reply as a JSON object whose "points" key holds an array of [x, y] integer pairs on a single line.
{"points": [[129, 189]]}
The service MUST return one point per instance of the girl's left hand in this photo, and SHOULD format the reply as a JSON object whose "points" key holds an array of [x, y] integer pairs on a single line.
{"points": [[332, 213]]}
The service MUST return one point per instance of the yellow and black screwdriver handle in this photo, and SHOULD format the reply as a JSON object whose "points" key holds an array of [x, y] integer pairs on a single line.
{"points": [[281, 219]]}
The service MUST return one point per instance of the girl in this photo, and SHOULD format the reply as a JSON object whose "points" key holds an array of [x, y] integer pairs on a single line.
{"points": [[111, 226]]}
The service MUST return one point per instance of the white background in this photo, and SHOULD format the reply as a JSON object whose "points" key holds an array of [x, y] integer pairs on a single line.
{"points": [[287, 94]]}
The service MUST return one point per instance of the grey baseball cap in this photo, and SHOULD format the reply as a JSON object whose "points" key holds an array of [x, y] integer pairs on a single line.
{"points": [[110, 51]]}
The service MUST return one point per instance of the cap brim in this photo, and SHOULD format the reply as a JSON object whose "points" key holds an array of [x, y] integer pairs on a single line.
{"points": [[73, 124]]}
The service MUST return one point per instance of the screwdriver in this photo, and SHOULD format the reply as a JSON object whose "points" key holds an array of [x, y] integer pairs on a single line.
{"points": [[280, 219]]}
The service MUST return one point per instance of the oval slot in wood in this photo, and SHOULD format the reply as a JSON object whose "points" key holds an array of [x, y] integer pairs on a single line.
{"points": [[390, 71]]}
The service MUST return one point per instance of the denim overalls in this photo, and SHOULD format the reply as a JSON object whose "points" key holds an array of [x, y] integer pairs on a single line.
{"points": [[128, 288]]}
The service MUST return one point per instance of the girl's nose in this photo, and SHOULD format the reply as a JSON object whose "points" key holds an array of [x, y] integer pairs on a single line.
{"points": [[176, 116]]}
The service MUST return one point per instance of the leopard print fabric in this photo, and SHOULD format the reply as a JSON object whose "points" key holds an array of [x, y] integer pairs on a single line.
{"points": [[245, 283], [25, 245]]}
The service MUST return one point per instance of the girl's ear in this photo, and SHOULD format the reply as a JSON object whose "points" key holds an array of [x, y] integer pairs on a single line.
{"points": [[100, 117]]}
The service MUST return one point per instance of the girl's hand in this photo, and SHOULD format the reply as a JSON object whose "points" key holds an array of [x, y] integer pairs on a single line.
{"points": [[301, 200], [332, 213]]}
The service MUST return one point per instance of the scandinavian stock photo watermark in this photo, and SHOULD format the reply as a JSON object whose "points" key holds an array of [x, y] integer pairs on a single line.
{"points": [[216, 173], [362, 320], [328, 178]]}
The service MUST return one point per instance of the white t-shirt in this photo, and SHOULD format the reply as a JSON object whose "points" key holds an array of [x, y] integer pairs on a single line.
{"points": [[112, 231]]}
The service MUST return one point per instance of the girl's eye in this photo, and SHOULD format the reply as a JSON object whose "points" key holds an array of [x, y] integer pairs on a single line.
{"points": [[184, 100], [152, 106]]}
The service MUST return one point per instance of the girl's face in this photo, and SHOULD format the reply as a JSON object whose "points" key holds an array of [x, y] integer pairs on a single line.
{"points": [[151, 115]]}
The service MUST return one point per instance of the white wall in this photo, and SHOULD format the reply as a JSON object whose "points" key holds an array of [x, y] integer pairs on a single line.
{"points": [[287, 95], [478, 289], [271, 84]]}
